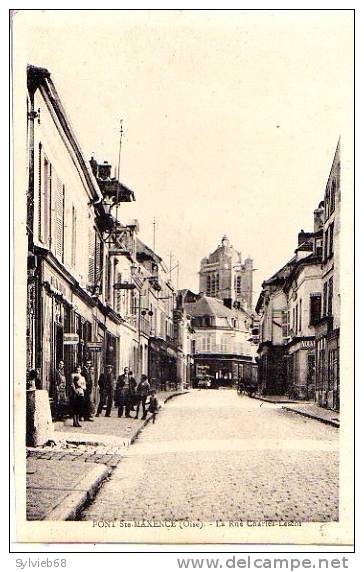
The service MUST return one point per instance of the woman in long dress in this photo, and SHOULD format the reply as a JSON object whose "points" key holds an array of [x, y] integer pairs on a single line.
{"points": [[78, 388]]}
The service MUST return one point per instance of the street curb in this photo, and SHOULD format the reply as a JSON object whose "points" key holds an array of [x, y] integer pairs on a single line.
{"points": [[313, 416], [86, 490], [146, 421], [276, 402]]}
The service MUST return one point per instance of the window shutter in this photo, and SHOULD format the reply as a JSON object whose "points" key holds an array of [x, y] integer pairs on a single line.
{"points": [[91, 258], [40, 201], [285, 324], [74, 236], [118, 295], [98, 263], [59, 219]]}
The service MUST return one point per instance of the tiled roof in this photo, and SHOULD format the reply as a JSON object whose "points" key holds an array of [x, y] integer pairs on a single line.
{"points": [[207, 306]]}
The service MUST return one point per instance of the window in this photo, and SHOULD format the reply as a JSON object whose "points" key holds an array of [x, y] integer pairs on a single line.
{"points": [[74, 237], [59, 219], [318, 247], [91, 258], [238, 284], [329, 296], [118, 295], [315, 308], [333, 193], [193, 347], [213, 285], [331, 240], [326, 244], [44, 197], [327, 203], [99, 253], [285, 324], [324, 302], [225, 343], [300, 316], [208, 287], [296, 319], [40, 193]]}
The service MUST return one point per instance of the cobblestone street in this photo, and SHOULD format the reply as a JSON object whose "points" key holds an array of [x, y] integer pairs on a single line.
{"points": [[213, 455]]}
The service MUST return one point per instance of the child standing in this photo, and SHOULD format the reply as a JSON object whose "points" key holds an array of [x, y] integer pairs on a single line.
{"points": [[153, 404]]}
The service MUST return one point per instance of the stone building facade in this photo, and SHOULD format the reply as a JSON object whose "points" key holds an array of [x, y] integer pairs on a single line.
{"points": [[94, 289], [327, 334], [299, 309], [221, 345], [70, 315]]}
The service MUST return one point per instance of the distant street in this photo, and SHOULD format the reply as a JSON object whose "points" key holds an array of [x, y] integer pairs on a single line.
{"points": [[212, 455]]}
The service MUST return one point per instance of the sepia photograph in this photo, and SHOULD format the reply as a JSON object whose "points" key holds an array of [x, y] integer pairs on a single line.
{"points": [[183, 276]]}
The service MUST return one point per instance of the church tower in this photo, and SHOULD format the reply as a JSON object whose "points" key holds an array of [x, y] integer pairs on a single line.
{"points": [[224, 275]]}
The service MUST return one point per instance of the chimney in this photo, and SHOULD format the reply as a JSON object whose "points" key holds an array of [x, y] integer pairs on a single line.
{"points": [[318, 219], [93, 164], [104, 170]]}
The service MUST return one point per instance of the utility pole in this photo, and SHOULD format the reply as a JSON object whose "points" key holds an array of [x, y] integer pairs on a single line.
{"points": [[154, 223], [119, 160]]}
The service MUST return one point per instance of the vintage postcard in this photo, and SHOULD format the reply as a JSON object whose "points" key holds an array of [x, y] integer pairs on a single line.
{"points": [[183, 276]]}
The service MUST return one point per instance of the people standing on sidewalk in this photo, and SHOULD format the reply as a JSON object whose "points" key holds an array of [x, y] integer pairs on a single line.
{"points": [[106, 385], [153, 404], [89, 406], [122, 394], [132, 391], [60, 395], [142, 391], [78, 388]]}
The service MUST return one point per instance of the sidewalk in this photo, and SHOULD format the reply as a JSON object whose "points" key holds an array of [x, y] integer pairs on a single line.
{"points": [[305, 408], [66, 474], [315, 412], [276, 399]]}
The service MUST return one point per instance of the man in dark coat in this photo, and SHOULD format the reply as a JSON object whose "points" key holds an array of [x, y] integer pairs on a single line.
{"points": [[143, 391], [107, 387], [122, 394], [89, 406], [132, 391]]}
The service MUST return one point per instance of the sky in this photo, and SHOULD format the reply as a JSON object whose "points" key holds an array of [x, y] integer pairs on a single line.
{"points": [[231, 118]]}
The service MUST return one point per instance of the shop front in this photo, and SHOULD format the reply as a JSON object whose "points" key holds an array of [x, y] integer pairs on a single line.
{"points": [[301, 365], [327, 378], [224, 370], [162, 367]]}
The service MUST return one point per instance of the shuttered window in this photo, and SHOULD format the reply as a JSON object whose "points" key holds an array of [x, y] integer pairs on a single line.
{"points": [[44, 196], [98, 261], [91, 258], [46, 201], [107, 278], [285, 324], [59, 219], [40, 194], [118, 294], [74, 237]]}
